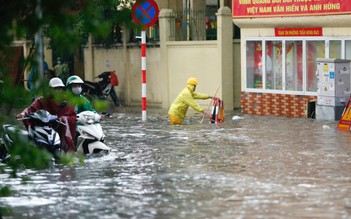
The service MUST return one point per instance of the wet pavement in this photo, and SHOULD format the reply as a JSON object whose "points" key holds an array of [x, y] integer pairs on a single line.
{"points": [[249, 167]]}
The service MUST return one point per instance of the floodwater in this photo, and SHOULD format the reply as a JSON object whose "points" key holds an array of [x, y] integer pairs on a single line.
{"points": [[249, 167]]}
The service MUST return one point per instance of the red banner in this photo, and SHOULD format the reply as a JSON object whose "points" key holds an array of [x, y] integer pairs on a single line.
{"points": [[307, 31], [272, 8]]}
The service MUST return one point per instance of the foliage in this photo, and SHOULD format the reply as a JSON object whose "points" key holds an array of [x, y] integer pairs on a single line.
{"points": [[5, 191], [100, 105], [67, 24], [12, 97], [27, 155], [5, 211]]}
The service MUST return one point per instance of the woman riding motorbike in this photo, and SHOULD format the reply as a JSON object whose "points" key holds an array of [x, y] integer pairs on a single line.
{"points": [[74, 85], [54, 104], [81, 103]]}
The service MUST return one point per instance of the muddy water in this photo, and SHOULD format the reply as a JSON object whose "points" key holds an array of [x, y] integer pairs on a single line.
{"points": [[249, 167]]}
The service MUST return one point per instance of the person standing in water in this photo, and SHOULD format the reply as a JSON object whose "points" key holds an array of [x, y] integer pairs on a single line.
{"points": [[186, 98]]}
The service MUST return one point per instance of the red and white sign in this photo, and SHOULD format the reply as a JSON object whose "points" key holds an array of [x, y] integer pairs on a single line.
{"points": [[308, 31]]}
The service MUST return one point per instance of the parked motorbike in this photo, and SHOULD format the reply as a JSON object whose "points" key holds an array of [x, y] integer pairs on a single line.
{"points": [[40, 132], [90, 135], [103, 88]]}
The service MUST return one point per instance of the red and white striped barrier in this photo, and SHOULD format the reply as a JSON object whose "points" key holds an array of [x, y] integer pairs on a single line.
{"points": [[217, 111]]}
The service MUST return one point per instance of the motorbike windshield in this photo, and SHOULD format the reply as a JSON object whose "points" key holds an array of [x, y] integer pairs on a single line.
{"points": [[43, 116]]}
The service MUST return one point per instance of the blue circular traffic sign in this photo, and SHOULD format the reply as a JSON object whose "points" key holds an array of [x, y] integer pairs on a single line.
{"points": [[145, 12]]}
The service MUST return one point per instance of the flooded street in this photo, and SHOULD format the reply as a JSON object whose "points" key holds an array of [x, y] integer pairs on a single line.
{"points": [[250, 167]]}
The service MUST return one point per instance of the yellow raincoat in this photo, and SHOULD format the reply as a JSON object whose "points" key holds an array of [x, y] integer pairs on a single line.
{"points": [[180, 105]]}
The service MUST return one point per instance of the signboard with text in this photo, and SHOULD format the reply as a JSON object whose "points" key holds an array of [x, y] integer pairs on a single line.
{"points": [[299, 31], [273, 8]]}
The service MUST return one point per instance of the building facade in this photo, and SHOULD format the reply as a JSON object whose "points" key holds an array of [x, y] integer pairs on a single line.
{"points": [[280, 42]]}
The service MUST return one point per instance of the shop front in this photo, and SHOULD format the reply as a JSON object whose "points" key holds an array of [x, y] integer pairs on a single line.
{"points": [[280, 42]]}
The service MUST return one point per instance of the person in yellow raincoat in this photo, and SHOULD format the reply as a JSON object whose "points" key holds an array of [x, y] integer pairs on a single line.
{"points": [[186, 98]]}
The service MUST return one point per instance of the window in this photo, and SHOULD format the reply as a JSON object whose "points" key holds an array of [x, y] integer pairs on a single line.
{"points": [[335, 49], [254, 64], [315, 49], [348, 49], [288, 65], [274, 65], [293, 65]]}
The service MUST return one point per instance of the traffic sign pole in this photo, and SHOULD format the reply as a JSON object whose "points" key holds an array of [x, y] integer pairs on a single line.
{"points": [[143, 74], [144, 13]]}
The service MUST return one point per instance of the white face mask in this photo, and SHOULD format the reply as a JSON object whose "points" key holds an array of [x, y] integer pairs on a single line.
{"points": [[76, 90]]}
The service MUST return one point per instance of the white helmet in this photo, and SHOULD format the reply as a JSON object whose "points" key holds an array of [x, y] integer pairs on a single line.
{"points": [[74, 79], [56, 82]]}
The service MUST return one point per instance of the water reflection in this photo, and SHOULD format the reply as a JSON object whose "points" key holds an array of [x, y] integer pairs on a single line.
{"points": [[252, 167]]}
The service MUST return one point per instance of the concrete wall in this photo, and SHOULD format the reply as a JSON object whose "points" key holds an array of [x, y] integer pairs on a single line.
{"points": [[216, 64], [171, 64], [129, 72], [127, 65], [193, 59]]}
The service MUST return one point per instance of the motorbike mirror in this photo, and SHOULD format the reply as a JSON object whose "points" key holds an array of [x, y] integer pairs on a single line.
{"points": [[52, 118]]}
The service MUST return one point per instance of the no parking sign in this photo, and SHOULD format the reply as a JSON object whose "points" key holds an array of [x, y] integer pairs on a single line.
{"points": [[145, 12]]}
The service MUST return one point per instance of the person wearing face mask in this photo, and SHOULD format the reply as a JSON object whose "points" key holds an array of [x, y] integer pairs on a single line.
{"points": [[186, 98], [74, 85], [55, 104]]}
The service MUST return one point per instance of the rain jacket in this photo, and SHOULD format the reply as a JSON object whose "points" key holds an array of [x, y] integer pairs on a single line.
{"points": [[83, 105], [186, 98], [65, 112]]}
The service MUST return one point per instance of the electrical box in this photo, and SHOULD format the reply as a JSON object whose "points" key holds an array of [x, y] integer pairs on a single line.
{"points": [[333, 87]]}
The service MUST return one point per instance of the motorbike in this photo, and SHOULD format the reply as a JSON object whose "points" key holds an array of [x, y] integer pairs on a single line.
{"points": [[103, 88], [40, 132], [90, 138]]}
